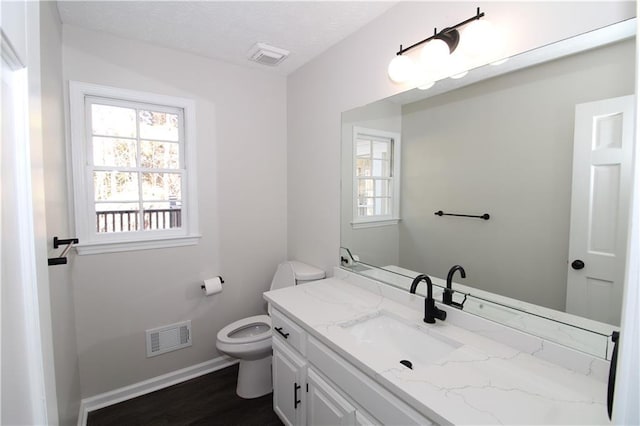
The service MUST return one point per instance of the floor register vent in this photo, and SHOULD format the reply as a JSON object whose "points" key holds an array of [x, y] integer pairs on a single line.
{"points": [[168, 338]]}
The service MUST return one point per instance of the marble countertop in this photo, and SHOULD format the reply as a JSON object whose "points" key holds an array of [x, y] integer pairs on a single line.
{"points": [[480, 382]]}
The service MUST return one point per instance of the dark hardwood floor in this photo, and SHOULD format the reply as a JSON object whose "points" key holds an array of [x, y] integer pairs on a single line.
{"points": [[206, 400]]}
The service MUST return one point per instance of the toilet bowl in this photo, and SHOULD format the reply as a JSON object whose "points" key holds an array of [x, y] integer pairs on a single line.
{"points": [[249, 339]]}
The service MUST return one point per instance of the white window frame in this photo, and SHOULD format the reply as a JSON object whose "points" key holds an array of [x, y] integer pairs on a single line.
{"points": [[92, 242], [396, 155]]}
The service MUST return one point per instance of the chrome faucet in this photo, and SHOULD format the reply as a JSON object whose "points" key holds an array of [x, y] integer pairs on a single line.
{"points": [[430, 310], [447, 295]]}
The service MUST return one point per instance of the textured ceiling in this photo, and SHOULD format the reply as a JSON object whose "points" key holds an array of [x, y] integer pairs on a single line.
{"points": [[226, 30]]}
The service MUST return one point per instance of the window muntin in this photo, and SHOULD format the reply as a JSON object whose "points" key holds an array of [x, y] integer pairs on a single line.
{"points": [[376, 175], [133, 169]]}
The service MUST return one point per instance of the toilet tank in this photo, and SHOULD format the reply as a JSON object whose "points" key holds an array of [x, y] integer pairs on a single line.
{"points": [[293, 272]]}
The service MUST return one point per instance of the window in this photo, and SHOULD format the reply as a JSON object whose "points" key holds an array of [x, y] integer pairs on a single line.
{"points": [[133, 169], [376, 177]]}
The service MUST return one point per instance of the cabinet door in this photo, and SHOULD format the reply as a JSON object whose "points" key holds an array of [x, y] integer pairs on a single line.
{"points": [[288, 384], [325, 407], [364, 420]]}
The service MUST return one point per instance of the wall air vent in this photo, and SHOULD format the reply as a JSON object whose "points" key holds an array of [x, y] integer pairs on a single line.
{"points": [[265, 54], [168, 338]]}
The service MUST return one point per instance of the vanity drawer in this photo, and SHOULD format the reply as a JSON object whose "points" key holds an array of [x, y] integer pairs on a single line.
{"points": [[380, 403], [287, 331]]}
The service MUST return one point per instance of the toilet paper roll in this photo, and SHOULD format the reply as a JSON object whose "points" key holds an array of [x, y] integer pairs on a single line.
{"points": [[212, 286]]}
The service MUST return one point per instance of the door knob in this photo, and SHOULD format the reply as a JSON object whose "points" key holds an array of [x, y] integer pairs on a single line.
{"points": [[577, 264]]}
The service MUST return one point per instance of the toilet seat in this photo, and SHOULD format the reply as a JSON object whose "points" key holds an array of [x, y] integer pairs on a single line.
{"points": [[245, 324]]}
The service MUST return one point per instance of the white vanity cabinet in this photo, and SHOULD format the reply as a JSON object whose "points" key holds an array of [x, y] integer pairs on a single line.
{"points": [[325, 406], [313, 385], [289, 384]]}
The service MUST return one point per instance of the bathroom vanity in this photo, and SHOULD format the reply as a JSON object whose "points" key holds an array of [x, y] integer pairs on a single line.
{"points": [[349, 350], [315, 385]]}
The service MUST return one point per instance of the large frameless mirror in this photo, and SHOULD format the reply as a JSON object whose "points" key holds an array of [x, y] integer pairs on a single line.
{"points": [[540, 145]]}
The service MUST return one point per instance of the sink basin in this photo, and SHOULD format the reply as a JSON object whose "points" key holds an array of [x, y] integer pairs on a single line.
{"points": [[389, 336]]}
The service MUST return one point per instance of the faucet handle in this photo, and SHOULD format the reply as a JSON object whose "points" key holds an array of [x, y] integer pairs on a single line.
{"points": [[440, 314], [431, 312], [458, 305]]}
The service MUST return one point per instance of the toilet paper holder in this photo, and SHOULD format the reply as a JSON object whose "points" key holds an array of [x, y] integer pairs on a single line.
{"points": [[221, 282]]}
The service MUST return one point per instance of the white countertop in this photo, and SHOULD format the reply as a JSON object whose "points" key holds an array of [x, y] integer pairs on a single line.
{"points": [[480, 382]]}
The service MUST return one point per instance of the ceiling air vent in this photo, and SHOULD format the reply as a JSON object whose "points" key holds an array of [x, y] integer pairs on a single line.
{"points": [[264, 54]]}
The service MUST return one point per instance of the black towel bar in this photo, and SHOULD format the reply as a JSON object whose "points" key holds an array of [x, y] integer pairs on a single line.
{"points": [[484, 216]]}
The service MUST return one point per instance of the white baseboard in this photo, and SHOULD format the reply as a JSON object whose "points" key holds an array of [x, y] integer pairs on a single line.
{"points": [[147, 386]]}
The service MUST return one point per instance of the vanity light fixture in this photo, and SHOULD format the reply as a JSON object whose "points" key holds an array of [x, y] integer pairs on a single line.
{"points": [[436, 57]]}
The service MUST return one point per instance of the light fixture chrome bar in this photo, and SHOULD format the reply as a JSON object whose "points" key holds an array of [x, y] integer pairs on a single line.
{"points": [[445, 34]]}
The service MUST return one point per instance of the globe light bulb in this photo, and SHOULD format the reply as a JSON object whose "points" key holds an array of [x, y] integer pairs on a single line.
{"points": [[425, 84], [435, 53], [483, 42], [478, 39], [458, 65], [401, 69], [499, 61], [459, 75], [424, 77]]}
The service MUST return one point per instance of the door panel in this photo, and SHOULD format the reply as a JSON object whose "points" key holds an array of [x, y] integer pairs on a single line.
{"points": [[603, 142], [288, 384], [325, 407]]}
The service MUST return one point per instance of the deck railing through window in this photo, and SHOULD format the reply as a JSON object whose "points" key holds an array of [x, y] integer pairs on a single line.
{"points": [[127, 220]]}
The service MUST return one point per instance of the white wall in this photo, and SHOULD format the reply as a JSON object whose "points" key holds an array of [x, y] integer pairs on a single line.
{"points": [[61, 288], [353, 73], [241, 128]]}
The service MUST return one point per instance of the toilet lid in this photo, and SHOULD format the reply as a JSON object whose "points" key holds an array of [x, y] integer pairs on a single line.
{"points": [[246, 330]]}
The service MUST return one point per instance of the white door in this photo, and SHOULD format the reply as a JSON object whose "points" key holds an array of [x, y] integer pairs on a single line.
{"points": [[325, 406], [27, 393], [288, 384], [602, 161]]}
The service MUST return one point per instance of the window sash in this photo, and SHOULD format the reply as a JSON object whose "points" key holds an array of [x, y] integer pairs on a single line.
{"points": [[374, 195], [137, 106], [373, 160]]}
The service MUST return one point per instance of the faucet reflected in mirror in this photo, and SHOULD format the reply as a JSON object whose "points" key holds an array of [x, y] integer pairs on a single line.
{"points": [[431, 312], [447, 294]]}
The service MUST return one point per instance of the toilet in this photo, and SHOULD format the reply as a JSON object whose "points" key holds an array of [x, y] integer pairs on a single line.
{"points": [[249, 339]]}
